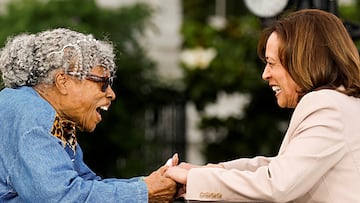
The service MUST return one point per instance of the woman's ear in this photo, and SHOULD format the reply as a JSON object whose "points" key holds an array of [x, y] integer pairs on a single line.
{"points": [[61, 82]]}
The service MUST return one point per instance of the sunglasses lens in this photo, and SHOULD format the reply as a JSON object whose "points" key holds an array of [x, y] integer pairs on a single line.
{"points": [[104, 86], [108, 82]]}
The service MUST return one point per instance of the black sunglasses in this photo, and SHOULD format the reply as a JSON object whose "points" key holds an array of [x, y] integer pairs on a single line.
{"points": [[107, 81]]}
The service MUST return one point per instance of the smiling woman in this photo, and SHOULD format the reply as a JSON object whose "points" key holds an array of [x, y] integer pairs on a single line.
{"points": [[313, 66], [58, 81]]}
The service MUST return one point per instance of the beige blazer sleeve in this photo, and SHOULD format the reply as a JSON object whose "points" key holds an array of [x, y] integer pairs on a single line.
{"points": [[312, 145], [247, 164]]}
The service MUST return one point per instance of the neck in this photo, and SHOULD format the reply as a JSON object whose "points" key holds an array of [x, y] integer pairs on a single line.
{"points": [[48, 92]]}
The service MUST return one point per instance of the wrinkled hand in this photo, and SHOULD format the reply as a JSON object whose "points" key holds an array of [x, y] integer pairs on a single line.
{"points": [[178, 174], [160, 188]]}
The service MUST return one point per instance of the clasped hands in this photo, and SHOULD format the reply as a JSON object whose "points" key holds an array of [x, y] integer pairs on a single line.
{"points": [[169, 181]]}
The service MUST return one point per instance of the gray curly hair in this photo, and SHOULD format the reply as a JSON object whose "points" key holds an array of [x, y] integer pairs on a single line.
{"points": [[29, 59]]}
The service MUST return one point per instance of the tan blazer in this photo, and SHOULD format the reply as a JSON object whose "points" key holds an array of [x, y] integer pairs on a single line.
{"points": [[318, 161]]}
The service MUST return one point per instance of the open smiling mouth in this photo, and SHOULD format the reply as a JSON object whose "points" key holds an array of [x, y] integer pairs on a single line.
{"points": [[276, 89], [102, 109]]}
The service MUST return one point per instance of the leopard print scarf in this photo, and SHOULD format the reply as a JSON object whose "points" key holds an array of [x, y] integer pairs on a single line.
{"points": [[65, 130]]}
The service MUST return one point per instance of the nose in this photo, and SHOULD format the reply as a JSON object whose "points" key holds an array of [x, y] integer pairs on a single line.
{"points": [[110, 93], [266, 73]]}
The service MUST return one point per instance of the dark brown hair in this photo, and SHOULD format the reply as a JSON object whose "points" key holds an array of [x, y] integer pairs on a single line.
{"points": [[316, 50]]}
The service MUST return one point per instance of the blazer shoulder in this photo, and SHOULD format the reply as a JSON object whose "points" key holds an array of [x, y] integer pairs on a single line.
{"points": [[323, 94], [322, 101], [322, 98]]}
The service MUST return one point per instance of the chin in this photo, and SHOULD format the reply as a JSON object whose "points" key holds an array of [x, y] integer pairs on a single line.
{"points": [[281, 105], [90, 130]]}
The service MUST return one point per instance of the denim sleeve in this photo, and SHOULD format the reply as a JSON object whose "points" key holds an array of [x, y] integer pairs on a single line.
{"points": [[43, 171]]}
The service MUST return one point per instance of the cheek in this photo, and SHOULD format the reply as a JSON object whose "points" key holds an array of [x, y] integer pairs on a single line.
{"points": [[292, 94], [290, 89], [88, 117], [84, 107], [88, 108]]}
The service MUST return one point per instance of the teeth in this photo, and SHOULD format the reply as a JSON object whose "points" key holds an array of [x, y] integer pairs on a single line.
{"points": [[104, 108], [276, 89]]}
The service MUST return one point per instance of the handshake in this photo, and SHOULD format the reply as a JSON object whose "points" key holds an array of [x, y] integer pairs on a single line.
{"points": [[161, 188], [169, 182]]}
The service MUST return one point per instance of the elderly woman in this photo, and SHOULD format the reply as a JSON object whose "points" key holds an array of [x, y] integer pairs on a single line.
{"points": [[58, 81], [313, 66]]}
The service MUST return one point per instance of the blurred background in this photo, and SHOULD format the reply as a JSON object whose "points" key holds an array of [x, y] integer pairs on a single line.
{"points": [[188, 80]]}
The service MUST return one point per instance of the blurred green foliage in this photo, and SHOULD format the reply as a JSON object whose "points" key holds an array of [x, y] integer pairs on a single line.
{"points": [[118, 145], [350, 15]]}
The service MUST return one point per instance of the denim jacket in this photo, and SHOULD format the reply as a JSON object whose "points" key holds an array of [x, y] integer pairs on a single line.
{"points": [[34, 167]]}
